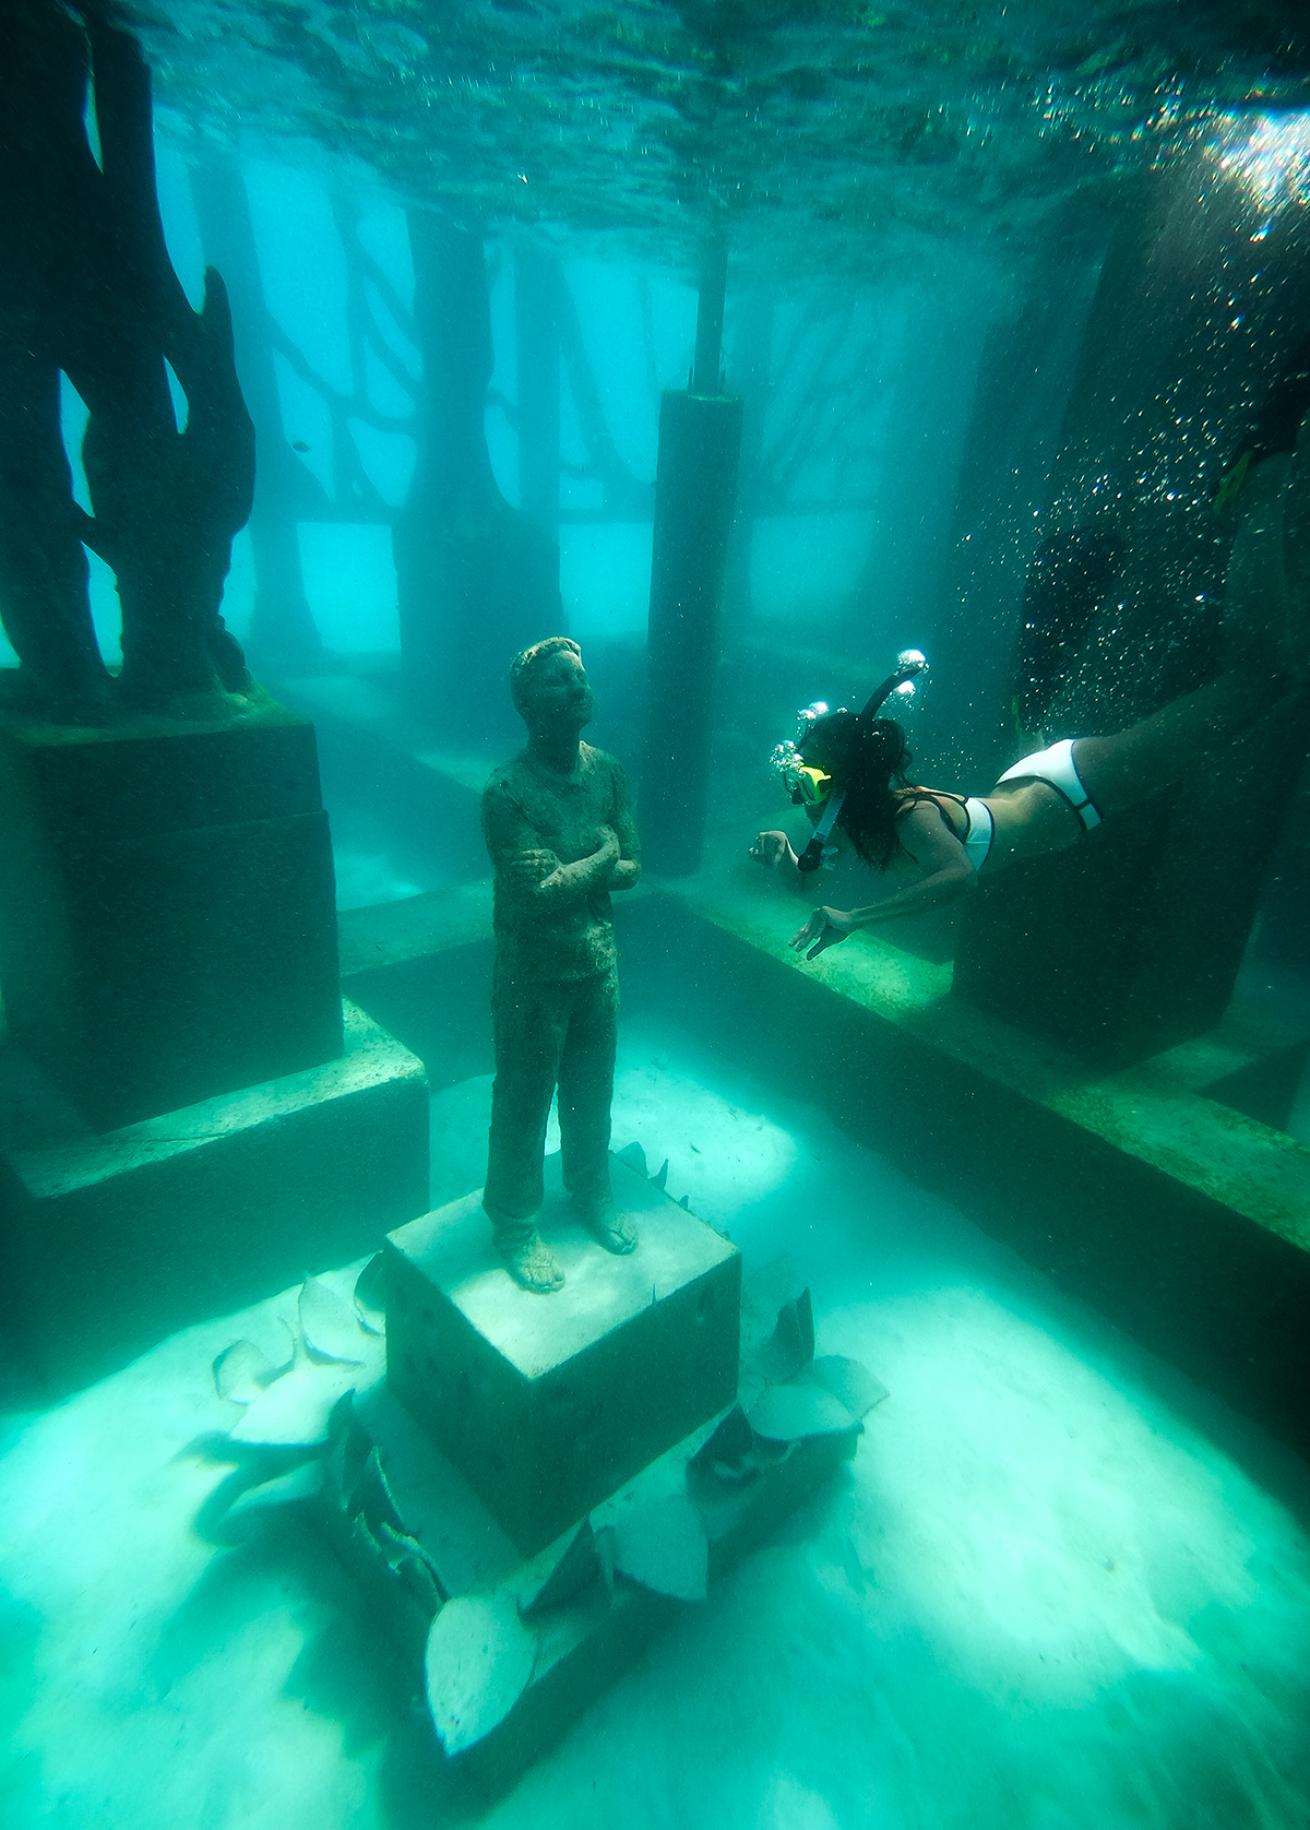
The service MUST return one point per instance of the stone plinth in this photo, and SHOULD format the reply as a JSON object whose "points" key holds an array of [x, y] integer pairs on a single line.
{"points": [[109, 1241], [547, 1404], [167, 930], [1131, 941], [589, 1637]]}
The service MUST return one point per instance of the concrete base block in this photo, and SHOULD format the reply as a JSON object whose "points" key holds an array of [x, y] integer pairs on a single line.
{"points": [[110, 1241], [167, 930], [1183, 1221], [1131, 942], [586, 1640], [547, 1404]]}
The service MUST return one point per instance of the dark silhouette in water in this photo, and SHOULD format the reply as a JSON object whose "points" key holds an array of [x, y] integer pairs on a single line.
{"points": [[88, 291], [1068, 579], [472, 573]]}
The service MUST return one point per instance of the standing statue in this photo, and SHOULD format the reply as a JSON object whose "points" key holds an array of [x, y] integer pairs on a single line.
{"points": [[559, 828]]}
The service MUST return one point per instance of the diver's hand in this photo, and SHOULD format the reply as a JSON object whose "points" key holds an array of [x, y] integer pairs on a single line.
{"points": [[772, 849], [823, 930], [528, 867]]}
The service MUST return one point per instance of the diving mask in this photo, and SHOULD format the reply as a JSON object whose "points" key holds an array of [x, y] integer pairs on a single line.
{"points": [[806, 785], [811, 787]]}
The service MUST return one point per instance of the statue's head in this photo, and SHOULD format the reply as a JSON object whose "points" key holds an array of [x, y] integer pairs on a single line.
{"points": [[548, 685]]}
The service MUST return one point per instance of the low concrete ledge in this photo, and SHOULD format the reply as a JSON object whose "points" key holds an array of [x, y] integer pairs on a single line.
{"points": [[111, 1240], [1184, 1220], [1138, 1190]]}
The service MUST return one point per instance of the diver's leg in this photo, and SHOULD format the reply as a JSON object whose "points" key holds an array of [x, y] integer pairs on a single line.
{"points": [[1267, 660], [1268, 584], [1257, 611], [1129, 767]]}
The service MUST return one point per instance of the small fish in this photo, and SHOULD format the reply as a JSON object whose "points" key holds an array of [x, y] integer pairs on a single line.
{"points": [[298, 444]]}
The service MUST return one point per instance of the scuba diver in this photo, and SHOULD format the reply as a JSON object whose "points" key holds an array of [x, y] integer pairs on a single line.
{"points": [[850, 770]]}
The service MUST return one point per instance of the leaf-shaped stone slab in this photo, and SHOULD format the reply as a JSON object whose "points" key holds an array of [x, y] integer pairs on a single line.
{"points": [[370, 1295], [790, 1413], [791, 1347], [634, 1156], [663, 1547], [294, 1488], [242, 1371], [330, 1327], [296, 1410], [849, 1382], [560, 1578], [479, 1662], [726, 1454]]}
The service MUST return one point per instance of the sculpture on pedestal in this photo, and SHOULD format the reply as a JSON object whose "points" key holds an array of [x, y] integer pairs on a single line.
{"points": [[89, 292], [560, 832]]}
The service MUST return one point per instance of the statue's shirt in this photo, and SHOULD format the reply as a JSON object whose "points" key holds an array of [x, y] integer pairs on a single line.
{"points": [[528, 807]]}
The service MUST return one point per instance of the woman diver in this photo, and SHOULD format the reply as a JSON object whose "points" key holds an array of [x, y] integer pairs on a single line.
{"points": [[851, 769]]}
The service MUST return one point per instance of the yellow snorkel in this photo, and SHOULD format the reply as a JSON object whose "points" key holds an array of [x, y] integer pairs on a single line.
{"points": [[812, 787]]}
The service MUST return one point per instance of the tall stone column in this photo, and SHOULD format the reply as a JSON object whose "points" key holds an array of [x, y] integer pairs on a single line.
{"points": [[695, 493]]}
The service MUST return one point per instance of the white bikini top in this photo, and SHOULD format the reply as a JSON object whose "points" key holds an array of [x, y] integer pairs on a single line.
{"points": [[979, 826]]}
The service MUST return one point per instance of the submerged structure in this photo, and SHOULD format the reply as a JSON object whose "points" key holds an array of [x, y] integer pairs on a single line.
{"points": [[536, 1487]]}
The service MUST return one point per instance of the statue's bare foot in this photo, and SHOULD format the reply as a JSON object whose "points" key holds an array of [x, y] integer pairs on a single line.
{"points": [[533, 1266], [613, 1230]]}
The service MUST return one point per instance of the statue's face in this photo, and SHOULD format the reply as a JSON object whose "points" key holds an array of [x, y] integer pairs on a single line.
{"points": [[558, 697]]}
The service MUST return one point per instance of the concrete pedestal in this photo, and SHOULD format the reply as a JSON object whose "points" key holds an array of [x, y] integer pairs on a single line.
{"points": [[110, 1241], [547, 1404], [409, 1504], [167, 930], [1131, 942]]}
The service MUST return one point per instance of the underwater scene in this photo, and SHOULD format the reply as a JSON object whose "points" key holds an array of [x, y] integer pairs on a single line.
{"points": [[654, 957]]}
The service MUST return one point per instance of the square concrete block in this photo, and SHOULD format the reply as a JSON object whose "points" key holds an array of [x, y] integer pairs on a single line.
{"points": [[109, 1241], [167, 930], [547, 1404]]}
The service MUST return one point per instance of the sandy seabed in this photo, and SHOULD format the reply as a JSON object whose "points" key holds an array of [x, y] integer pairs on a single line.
{"points": [[1059, 1588]]}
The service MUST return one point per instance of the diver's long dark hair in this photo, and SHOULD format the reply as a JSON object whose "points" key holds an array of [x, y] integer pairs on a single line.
{"points": [[867, 759]]}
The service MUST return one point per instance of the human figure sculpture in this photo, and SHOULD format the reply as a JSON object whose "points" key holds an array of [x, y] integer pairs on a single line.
{"points": [[560, 832]]}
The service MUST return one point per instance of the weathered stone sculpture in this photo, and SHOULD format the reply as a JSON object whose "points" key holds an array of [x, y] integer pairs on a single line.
{"points": [[561, 837], [88, 290]]}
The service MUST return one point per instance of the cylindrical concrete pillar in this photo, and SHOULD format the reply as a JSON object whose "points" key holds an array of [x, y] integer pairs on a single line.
{"points": [[695, 490]]}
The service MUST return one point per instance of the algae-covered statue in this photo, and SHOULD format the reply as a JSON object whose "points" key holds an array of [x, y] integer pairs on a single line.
{"points": [[559, 828]]}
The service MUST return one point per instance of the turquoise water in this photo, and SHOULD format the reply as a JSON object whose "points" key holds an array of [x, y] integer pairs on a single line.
{"points": [[1005, 287]]}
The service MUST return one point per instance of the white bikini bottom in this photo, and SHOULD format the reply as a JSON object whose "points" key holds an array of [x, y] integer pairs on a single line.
{"points": [[1055, 766]]}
